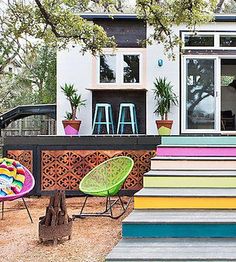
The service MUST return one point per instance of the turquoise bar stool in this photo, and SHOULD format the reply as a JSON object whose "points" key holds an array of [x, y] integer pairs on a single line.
{"points": [[124, 109], [97, 120]]}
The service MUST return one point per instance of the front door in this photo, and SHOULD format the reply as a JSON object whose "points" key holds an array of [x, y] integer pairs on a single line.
{"points": [[200, 95], [228, 94]]}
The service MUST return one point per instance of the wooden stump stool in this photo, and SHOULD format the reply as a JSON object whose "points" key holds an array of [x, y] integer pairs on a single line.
{"points": [[56, 223]]}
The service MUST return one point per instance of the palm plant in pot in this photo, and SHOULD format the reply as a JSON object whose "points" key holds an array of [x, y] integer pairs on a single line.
{"points": [[165, 97], [71, 123]]}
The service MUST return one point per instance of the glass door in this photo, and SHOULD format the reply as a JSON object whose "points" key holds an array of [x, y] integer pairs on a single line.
{"points": [[200, 95]]}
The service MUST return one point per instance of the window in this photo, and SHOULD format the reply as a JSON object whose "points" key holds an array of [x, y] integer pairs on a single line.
{"points": [[131, 68], [121, 68], [200, 89], [107, 68], [209, 40], [199, 40], [227, 41]]}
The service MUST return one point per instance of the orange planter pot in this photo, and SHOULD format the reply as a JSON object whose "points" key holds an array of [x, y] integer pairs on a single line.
{"points": [[164, 127]]}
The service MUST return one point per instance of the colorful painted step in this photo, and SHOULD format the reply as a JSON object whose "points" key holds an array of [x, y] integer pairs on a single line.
{"points": [[187, 208], [205, 173], [174, 250], [194, 163], [182, 180], [198, 140], [195, 151], [185, 198], [179, 224]]}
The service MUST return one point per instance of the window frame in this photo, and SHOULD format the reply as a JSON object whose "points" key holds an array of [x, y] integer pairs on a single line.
{"points": [[199, 34], [98, 70], [227, 34], [184, 34], [122, 68], [119, 53], [216, 34]]}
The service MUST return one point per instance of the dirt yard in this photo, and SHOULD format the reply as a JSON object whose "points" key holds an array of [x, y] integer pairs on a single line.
{"points": [[92, 238]]}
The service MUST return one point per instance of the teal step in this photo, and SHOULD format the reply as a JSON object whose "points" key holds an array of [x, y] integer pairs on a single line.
{"points": [[174, 250], [198, 140], [179, 224]]}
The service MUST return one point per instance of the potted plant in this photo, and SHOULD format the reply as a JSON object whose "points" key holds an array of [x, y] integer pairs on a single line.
{"points": [[71, 123], [165, 97]]}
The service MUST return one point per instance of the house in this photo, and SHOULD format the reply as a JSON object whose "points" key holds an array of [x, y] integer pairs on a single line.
{"points": [[13, 68], [202, 75]]}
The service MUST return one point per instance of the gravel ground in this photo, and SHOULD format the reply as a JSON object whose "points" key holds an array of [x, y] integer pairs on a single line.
{"points": [[92, 238]]}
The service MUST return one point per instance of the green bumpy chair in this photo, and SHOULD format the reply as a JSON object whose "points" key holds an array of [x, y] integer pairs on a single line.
{"points": [[106, 180]]}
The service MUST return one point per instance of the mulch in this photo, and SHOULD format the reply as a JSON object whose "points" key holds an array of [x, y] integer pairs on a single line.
{"points": [[92, 238]]}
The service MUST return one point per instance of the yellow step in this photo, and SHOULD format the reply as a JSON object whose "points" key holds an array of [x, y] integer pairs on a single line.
{"points": [[201, 198]]}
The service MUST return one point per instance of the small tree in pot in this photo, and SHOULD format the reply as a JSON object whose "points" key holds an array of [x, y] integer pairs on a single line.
{"points": [[165, 97], [71, 124]]}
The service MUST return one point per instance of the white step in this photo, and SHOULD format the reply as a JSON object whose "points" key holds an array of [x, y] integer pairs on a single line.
{"points": [[186, 192], [181, 216], [174, 250], [207, 173]]}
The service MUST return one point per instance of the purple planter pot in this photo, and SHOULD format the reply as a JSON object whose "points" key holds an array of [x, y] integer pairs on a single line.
{"points": [[71, 127]]}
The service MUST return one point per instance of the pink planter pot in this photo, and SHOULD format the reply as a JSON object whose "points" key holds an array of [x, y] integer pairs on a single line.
{"points": [[71, 127]]}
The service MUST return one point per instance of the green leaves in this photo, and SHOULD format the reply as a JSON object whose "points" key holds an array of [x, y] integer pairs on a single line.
{"points": [[76, 101], [163, 15], [164, 96], [68, 90]]}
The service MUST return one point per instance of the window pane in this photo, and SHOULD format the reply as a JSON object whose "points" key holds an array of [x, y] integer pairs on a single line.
{"points": [[131, 68], [107, 68], [200, 88], [199, 40], [227, 40]]}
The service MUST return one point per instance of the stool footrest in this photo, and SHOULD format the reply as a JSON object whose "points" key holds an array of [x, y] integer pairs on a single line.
{"points": [[103, 123], [125, 123]]}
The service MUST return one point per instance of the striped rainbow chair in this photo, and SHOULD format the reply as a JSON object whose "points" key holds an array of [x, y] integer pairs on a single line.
{"points": [[15, 182]]}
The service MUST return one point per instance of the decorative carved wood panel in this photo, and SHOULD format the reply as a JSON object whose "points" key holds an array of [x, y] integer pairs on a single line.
{"points": [[25, 157], [64, 169]]}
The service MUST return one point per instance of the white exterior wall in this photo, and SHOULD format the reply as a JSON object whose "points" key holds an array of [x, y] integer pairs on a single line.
{"points": [[74, 68], [171, 70]]}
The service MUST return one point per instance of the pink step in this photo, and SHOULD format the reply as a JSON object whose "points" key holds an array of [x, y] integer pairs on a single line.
{"points": [[196, 151]]}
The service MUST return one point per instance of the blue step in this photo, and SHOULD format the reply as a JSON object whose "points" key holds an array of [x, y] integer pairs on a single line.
{"points": [[179, 224], [198, 140]]}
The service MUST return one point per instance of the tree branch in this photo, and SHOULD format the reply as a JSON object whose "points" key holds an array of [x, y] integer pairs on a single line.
{"points": [[47, 18], [219, 6]]}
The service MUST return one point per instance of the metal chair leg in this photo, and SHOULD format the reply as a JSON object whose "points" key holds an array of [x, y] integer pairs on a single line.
{"points": [[81, 211], [2, 209], [27, 210], [110, 206], [108, 212]]}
